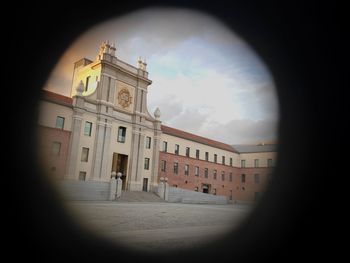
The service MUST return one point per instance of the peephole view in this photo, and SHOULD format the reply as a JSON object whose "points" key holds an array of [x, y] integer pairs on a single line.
{"points": [[159, 130]]}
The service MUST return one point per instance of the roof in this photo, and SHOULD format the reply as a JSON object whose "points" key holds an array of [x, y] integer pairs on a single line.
{"points": [[196, 138], [56, 98], [255, 148]]}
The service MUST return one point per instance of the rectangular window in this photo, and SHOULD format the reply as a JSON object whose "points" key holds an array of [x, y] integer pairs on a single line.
{"points": [[269, 162], [215, 158], [59, 122], [231, 162], [121, 134], [206, 156], [230, 194], [243, 163], [256, 163], [230, 177], [188, 151], [197, 154], [85, 154], [148, 142], [196, 171], [222, 176], [165, 146], [82, 176], [256, 178], [87, 128], [146, 166], [206, 172], [214, 174], [243, 178], [223, 160], [163, 166], [187, 169], [176, 168], [177, 149], [56, 148], [87, 83]]}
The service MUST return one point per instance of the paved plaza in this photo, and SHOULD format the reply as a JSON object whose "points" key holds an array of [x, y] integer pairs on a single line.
{"points": [[158, 226]]}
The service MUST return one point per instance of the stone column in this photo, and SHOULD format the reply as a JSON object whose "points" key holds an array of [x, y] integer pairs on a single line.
{"points": [[136, 170], [155, 160], [112, 187], [160, 190], [102, 141], [73, 150], [119, 186], [166, 189]]}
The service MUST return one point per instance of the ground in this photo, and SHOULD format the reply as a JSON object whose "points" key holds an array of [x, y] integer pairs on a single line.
{"points": [[158, 226]]}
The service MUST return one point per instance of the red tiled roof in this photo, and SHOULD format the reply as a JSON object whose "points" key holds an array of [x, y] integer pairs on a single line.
{"points": [[196, 138], [55, 97]]}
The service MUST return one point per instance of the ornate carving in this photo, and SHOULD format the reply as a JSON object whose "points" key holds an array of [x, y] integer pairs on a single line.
{"points": [[124, 98]]}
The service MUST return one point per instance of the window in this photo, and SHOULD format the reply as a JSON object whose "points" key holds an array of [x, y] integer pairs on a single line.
{"points": [[87, 128], [56, 148], [256, 163], [269, 162], [222, 176], [196, 171], [165, 146], [231, 162], [148, 142], [187, 168], [215, 158], [59, 122], [176, 168], [87, 83], [206, 172], [243, 178], [163, 166], [146, 166], [206, 156], [230, 177], [82, 176], [197, 154], [243, 163], [85, 154], [256, 178], [214, 191], [230, 194], [188, 151], [214, 174], [121, 134], [177, 149], [223, 160]]}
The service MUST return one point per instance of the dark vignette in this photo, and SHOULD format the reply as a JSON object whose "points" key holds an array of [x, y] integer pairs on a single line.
{"points": [[288, 224]]}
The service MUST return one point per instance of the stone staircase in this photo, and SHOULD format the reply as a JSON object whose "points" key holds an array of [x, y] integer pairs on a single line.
{"points": [[129, 196]]}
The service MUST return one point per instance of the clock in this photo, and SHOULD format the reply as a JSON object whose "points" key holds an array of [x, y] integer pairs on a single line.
{"points": [[124, 98]]}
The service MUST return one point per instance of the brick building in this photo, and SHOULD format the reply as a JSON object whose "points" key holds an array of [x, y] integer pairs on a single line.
{"points": [[105, 126]]}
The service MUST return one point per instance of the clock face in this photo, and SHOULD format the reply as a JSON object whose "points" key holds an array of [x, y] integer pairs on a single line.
{"points": [[124, 98]]}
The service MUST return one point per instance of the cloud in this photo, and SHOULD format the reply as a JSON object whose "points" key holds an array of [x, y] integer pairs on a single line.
{"points": [[242, 131], [206, 79]]}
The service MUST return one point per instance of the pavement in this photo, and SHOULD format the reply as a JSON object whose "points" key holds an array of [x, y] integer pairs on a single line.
{"points": [[158, 226]]}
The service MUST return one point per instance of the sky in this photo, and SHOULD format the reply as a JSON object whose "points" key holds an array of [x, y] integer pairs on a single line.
{"points": [[206, 79]]}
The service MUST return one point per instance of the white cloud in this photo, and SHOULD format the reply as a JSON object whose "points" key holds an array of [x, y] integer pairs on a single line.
{"points": [[206, 79]]}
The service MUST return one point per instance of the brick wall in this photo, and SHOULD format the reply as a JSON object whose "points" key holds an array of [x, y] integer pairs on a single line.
{"points": [[52, 164], [241, 192]]}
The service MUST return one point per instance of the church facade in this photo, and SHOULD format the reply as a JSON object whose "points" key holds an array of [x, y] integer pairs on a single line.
{"points": [[105, 126]]}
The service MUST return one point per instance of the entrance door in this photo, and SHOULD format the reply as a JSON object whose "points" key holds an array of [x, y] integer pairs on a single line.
{"points": [[205, 188], [145, 184], [120, 164]]}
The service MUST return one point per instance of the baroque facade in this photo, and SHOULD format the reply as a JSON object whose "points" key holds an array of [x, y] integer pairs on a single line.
{"points": [[105, 126]]}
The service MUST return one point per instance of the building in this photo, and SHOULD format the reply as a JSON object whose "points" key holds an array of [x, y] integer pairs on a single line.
{"points": [[105, 126]]}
